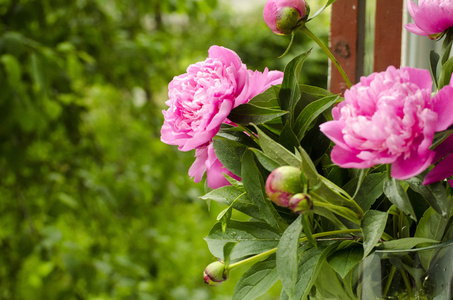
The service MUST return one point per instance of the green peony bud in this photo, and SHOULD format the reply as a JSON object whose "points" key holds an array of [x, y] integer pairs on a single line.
{"points": [[300, 203], [215, 273], [282, 184]]}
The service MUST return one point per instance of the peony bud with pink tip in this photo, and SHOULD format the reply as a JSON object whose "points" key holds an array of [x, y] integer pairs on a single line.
{"points": [[300, 203], [283, 16], [215, 273], [282, 184]]}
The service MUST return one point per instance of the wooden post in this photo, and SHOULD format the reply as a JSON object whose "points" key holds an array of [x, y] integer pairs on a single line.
{"points": [[347, 35], [387, 34]]}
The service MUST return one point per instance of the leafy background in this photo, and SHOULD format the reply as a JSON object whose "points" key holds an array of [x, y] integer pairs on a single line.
{"points": [[93, 205]]}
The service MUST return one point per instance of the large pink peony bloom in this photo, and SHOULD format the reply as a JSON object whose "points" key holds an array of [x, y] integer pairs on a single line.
{"points": [[282, 15], [388, 118], [431, 17], [201, 99]]}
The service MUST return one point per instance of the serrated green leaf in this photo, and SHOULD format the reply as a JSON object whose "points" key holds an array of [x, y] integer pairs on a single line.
{"points": [[287, 256], [373, 225], [252, 238], [398, 196], [257, 280]]}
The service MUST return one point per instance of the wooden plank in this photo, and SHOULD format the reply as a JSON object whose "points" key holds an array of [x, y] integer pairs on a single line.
{"points": [[388, 34], [347, 34]]}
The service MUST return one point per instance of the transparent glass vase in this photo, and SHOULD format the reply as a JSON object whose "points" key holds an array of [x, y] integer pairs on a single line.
{"points": [[415, 274], [422, 273]]}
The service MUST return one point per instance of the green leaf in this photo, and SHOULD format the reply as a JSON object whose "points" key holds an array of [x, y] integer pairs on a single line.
{"points": [[254, 186], [434, 63], [257, 280], [310, 266], [224, 217], [288, 138], [373, 225], [445, 73], [432, 225], [398, 196], [371, 189], [227, 249], [13, 71], [311, 112], [343, 261], [252, 238], [230, 154], [268, 98], [268, 163], [276, 151], [330, 2], [434, 194], [406, 243], [289, 91], [248, 113], [329, 286], [287, 256], [238, 199]]}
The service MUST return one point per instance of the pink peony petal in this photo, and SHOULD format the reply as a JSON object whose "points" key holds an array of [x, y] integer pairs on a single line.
{"points": [[442, 170], [403, 169], [443, 106]]}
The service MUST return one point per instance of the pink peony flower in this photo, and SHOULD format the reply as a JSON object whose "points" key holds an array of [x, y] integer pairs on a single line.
{"points": [[444, 152], [207, 161], [201, 99], [282, 16], [388, 118], [431, 17]]}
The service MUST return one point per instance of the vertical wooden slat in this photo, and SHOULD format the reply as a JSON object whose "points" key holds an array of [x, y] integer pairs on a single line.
{"points": [[387, 34], [347, 41]]}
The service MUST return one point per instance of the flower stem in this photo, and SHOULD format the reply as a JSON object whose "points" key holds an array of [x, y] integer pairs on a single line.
{"points": [[268, 253], [328, 53]]}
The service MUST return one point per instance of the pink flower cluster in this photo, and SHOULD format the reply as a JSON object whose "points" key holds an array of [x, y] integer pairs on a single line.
{"points": [[201, 100], [431, 17], [390, 118]]}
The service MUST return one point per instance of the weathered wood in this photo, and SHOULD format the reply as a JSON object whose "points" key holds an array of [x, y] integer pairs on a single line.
{"points": [[347, 41], [387, 34]]}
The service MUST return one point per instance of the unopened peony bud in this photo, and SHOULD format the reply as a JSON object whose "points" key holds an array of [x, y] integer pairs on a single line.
{"points": [[215, 273], [300, 203], [282, 184], [283, 16]]}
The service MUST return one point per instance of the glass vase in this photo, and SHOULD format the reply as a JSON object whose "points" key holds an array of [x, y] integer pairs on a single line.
{"points": [[415, 274], [422, 273]]}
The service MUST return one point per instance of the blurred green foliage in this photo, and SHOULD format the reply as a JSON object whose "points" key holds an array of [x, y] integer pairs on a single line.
{"points": [[92, 204]]}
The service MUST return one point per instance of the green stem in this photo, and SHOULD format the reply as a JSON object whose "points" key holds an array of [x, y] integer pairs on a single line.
{"points": [[268, 253], [389, 281], [328, 53], [407, 283]]}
